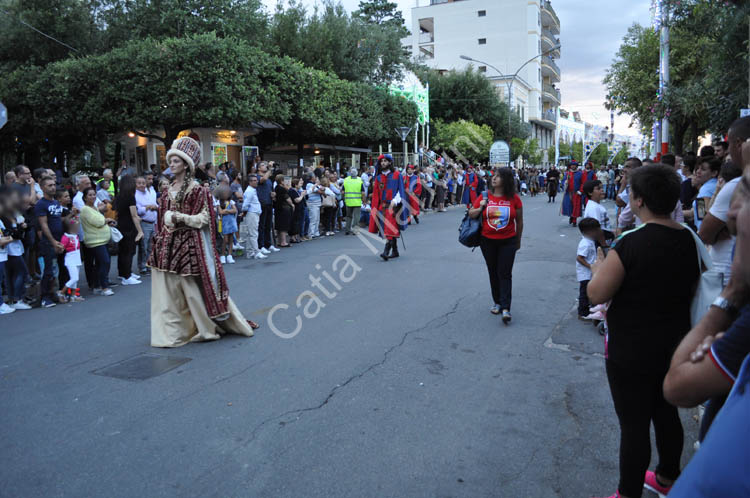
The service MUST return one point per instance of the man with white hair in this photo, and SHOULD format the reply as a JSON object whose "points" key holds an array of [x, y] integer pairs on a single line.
{"points": [[107, 175]]}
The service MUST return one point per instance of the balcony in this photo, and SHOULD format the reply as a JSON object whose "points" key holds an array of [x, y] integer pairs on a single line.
{"points": [[549, 40], [427, 51], [426, 38], [547, 119], [549, 17], [550, 69], [551, 94]]}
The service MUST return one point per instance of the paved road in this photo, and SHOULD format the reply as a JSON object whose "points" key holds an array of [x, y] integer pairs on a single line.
{"points": [[403, 385]]}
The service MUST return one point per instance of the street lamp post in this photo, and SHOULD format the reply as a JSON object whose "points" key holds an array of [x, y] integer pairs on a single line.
{"points": [[509, 80], [403, 132]]}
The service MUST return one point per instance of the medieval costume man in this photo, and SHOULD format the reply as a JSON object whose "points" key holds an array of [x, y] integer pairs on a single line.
{"points": [[189, 295], [571, 204], [413, 186], [471, 187], [388, 216]]}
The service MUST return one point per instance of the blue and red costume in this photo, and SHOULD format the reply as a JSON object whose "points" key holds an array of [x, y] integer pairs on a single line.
{"points": [[384, 220], [571, 204], [413, 186], [471, 186]]}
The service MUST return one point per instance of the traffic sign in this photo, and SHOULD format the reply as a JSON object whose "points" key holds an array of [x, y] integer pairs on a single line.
{"points": [[3, 115], [500, 152]]}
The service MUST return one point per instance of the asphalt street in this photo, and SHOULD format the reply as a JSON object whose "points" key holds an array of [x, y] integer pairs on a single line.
{"points": [[401, 384]]}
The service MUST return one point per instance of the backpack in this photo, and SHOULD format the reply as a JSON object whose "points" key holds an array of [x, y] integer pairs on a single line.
{"points": [[470, 231]]}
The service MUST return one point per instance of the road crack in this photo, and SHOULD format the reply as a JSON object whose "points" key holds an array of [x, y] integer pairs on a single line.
{"points": [[435, 323]]}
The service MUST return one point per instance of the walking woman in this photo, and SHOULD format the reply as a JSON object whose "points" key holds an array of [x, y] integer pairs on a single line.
{"points": [[189, 294], [501, 210], [656, 263]]}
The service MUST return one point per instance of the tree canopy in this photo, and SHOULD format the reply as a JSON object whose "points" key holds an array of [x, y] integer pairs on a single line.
{"points": [[463, 140], [708, 70], [469, 95]]}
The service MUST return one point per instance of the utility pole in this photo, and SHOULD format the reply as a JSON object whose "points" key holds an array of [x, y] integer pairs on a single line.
{"points": [[664, 79]]}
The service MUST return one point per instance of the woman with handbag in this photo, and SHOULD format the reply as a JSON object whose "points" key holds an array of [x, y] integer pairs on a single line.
{"points": [[501, 212], [650, 275], [96, 235]]}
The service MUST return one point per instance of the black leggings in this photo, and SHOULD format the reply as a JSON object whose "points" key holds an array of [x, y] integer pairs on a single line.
{"points": [[499, 256], [125, 253], [639, 400]]}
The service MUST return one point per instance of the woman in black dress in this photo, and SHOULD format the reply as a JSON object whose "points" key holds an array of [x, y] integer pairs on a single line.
{"points": [[297, 193], [283, 208]]}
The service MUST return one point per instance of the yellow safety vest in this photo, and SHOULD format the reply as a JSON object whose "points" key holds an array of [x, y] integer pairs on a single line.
{"points": [[353, 191]]}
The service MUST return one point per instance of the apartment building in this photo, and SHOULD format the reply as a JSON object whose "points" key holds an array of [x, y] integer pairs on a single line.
{"points": [[506, 35]]}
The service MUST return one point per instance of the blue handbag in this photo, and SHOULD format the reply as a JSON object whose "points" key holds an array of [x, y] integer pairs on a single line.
{"points": [[470, 231]]}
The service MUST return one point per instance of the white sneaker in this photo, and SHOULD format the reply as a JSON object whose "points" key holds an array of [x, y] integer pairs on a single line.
{"points": [[230, 259], [20, 305], [5, 309], [260, 255], [598, 308], [223, 260], [274, 249], [134, 276], [130, 281], [598, 316], [237, 247], [107, 292], [265, 251]]}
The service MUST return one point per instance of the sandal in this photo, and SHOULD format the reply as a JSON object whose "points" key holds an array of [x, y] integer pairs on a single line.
{"points": [[253, 325], [287, 245]]}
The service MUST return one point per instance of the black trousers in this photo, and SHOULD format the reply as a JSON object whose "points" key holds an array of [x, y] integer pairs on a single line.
{"points": [[125, 253], [499, 256], [88, 266], [639, 400], [584, 306], [264, 226]]}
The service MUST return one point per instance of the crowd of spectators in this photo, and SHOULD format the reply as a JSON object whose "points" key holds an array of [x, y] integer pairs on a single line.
{"points": [[683, 234]]}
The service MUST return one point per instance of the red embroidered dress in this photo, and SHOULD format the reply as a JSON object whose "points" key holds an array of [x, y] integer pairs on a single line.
{"points": [[189, 251]]}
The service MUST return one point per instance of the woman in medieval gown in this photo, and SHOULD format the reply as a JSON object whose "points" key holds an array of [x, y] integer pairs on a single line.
{"points": [[189, 295]]}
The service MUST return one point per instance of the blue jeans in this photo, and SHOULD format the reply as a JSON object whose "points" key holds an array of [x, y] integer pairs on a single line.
{"points": [[50, 264], [2, 278], [101, 266], [306, 223], [17, 273]]}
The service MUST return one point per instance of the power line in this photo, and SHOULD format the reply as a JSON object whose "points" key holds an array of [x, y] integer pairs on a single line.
{"points": [[41, 32]]}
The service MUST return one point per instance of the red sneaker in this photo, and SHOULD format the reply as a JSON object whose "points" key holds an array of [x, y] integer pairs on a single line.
{"points": [[652, 484]]}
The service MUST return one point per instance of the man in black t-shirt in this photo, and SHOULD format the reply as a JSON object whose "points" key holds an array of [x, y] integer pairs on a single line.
{"points": [[553, 182], [50, 214]]}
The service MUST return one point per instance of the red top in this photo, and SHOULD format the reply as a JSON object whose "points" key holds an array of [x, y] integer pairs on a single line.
{"points": [[499, 217]]}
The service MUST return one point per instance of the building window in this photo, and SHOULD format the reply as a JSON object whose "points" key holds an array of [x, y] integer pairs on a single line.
{"points": [[482, 69], [540, 74], [482, 13], [483, 41]]}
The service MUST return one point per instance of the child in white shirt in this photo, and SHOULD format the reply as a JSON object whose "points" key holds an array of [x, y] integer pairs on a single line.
{"points": [[595, 192], [591, 231]]}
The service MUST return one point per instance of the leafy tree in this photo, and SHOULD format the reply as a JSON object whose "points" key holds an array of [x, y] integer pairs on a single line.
{"points": [[708, 70], [69, 21], [122, 21], [382, 13], [469, 95], [464, 140], [620, 157], [331, 40]]}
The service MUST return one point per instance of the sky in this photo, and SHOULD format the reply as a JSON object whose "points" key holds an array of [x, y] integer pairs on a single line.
{"points": [[591, 32]]}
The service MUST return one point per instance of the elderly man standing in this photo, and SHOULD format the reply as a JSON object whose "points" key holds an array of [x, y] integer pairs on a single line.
{"points": [[107, 185]]}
